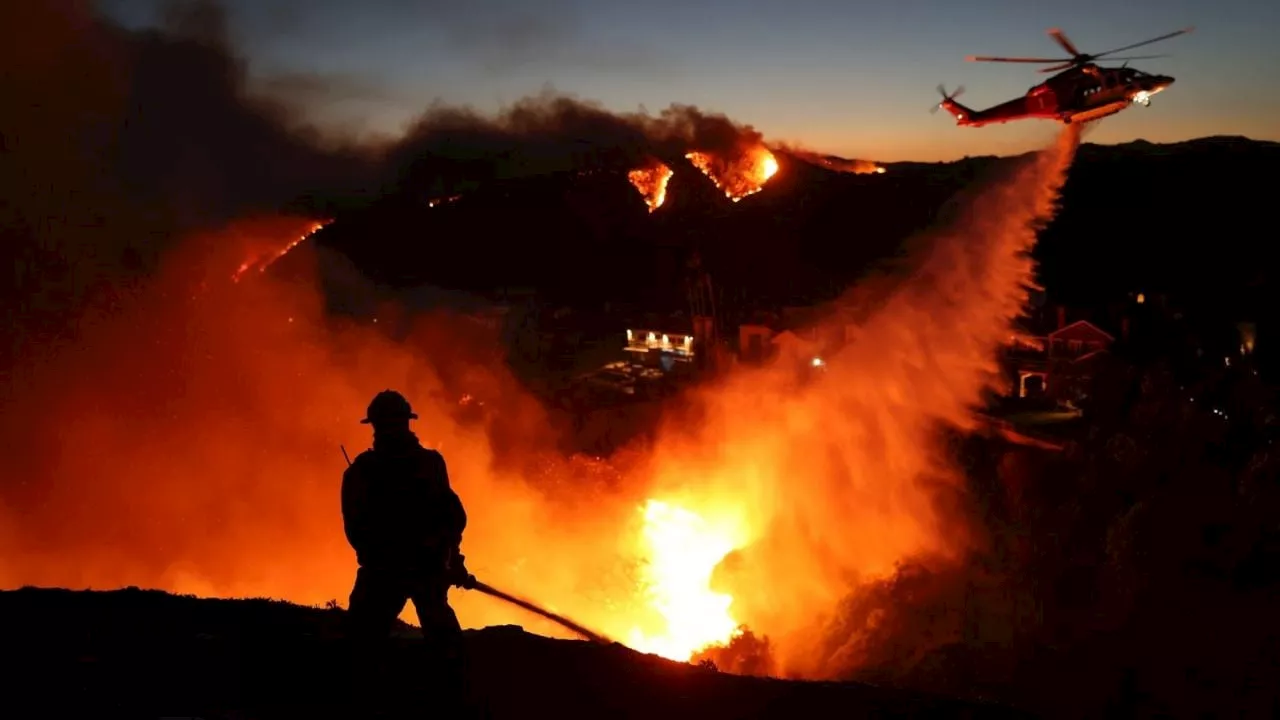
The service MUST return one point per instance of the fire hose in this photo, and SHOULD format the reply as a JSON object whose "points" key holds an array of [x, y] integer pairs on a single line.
{"points": [[526, 605], [522, 603]]}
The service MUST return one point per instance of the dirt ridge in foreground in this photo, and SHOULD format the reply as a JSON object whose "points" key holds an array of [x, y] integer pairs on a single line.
{"points": [[148, 653]]}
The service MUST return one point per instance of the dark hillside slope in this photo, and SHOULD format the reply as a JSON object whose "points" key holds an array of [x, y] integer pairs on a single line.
{"points": [[1192, 219], [586, 239], [150, 654], [1183, 219]]}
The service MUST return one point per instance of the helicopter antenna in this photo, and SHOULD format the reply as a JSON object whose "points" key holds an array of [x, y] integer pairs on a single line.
{"points": [[1078, 58]]}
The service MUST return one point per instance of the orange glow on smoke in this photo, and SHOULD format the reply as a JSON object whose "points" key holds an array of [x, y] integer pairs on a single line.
{"points": [[191, 443], [651, 181], [739, 176]]}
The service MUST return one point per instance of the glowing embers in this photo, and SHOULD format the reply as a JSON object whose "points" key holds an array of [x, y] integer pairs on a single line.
{"points": [[738, 177], [262, 264], [437, 202], [651, 181]]}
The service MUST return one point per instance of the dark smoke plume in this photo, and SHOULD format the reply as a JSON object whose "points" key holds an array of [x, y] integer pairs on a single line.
{"points": [[554, 133]]}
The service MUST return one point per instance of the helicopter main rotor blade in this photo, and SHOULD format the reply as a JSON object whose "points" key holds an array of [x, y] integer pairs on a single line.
{"points": [[986, 58], [1073, 63], [1066, 44], [1166, 36]]}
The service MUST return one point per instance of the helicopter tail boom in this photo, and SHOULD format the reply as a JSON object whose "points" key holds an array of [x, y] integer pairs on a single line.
{"points": [[962, 114]]}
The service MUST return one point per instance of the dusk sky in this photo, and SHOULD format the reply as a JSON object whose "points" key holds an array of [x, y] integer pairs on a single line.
{"points": [[850, 77]]}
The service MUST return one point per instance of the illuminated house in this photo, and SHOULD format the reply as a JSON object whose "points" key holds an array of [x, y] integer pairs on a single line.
{"points": [[1059, 364], [654, 347], [1074, 353]]}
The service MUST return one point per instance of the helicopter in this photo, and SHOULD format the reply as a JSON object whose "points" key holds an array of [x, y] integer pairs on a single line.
{"points": [[1082, 92]]}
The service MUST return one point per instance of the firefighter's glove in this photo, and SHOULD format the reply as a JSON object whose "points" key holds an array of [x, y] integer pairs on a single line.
{"points": [[458, 574]]}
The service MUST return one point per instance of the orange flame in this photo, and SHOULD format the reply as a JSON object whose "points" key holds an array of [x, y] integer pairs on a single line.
{"points": [[738, 177], [651, 181], [682, 551]]}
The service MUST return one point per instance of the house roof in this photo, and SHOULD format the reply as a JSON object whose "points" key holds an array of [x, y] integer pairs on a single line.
{"points": [[1082, 325], [788, 336], [1090, 356]]}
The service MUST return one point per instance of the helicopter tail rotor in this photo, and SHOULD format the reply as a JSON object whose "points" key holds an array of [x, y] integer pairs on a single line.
{"points": [[946, 98]]}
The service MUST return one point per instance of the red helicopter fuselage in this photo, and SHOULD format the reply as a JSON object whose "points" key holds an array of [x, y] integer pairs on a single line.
{"points": [[1077, 95]]}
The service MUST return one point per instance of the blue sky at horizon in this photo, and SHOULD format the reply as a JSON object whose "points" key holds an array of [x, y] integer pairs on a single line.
{"points": [[851, 78]]}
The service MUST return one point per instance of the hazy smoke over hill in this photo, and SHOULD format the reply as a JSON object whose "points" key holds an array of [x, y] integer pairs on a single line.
{"points": [[115, 142], [554, 133]]}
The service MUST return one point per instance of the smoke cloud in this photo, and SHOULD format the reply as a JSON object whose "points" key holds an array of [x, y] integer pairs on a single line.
{"points": [[458, 147]]}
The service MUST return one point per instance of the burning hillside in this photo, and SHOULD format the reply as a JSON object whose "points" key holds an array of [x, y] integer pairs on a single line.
{"points": [[651, 182], [263, 258], [740, 174]]}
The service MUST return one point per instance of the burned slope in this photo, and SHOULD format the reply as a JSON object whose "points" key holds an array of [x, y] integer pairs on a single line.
{"points": [[150, 652]]}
